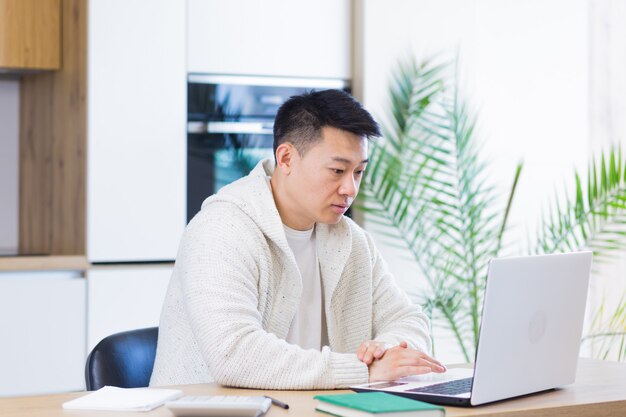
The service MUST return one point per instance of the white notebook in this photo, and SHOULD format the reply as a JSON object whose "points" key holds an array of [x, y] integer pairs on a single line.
{"points": [[123, 399]]}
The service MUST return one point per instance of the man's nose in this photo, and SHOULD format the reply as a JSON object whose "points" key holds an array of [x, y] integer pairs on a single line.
{"points": [[349, 186]]}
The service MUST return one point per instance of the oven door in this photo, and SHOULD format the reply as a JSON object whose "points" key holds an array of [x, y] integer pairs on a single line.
{"points": [[230, 126], [220, 153]]}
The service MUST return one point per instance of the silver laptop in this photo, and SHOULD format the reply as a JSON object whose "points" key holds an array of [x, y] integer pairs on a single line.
{"points": [[529, 338]]}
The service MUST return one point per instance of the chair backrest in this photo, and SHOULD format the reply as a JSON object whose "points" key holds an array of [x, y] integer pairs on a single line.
{"points": [[123, 360]]}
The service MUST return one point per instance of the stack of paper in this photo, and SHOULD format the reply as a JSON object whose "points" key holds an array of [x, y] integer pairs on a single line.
{"points": [[123, 399]]}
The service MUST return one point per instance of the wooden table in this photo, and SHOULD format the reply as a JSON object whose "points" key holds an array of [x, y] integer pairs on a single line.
{"points": [[599, 391]]}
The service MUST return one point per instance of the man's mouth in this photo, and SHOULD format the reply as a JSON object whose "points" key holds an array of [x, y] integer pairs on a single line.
{"points": [[340, 208]]}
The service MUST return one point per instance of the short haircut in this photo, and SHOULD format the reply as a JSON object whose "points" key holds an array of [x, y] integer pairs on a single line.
{"points": [[300, 119]]}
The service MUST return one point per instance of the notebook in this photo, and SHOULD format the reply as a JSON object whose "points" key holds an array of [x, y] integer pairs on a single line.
{"points": [[123, 399], [377, 404]]}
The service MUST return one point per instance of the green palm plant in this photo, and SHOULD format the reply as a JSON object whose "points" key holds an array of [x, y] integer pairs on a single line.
{"points": [[595, 218], [427, 185], [609, 333]]}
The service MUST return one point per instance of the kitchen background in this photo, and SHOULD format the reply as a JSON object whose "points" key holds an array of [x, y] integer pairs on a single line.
{"points": [[545, 76]]}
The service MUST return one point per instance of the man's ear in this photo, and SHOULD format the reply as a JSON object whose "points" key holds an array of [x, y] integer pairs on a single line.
{"points": [[285, 155]]}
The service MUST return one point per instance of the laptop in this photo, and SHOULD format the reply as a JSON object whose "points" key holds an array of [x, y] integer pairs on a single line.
{"points": [[532, 319]]}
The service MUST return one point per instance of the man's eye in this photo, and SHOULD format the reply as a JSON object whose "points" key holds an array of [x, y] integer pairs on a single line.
{"points": [[359, 173], [337, 171]]}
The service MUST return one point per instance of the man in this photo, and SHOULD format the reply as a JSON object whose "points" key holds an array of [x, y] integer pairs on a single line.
{"points": [[274, 288]]}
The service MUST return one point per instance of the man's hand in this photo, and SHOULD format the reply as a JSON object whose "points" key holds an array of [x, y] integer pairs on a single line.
{"points": [[371, 350], [400, 361]]}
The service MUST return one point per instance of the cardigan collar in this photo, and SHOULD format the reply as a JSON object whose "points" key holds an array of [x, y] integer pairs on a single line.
{"points": [[252, 195]]}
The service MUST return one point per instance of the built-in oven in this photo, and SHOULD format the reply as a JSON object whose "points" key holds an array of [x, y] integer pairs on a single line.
{"points": [[230, 126]]}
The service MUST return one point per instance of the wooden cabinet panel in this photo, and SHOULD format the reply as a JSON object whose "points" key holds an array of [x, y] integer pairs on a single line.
{"points": [[103, 140], [53, 139], [30, 34]]}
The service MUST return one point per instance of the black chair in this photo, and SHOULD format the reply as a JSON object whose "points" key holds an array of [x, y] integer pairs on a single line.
{"points": [[122, 360]]}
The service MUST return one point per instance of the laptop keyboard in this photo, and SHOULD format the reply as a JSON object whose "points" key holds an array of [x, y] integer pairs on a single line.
{"points": [[457, 387]]}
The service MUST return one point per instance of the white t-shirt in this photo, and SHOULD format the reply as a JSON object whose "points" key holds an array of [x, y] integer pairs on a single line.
{"points": [[308, 328]]}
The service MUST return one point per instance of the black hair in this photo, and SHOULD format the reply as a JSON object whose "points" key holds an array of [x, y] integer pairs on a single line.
{"points": [[300, 119]]}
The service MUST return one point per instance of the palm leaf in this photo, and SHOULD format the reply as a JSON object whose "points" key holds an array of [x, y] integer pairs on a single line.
{"points": [[427, 187], [426, 181], [609, 333], [595, 217]]}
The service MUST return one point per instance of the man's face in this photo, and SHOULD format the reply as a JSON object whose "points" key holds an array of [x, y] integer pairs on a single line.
{"points": [[324, 183]]}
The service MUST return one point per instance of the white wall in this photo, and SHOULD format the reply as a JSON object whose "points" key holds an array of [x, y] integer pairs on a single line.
{"points": [[9, 169], [532, 85], [525, 67], [607, 102]]}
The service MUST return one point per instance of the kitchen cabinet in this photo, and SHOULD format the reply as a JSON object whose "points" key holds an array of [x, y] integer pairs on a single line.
{"points": [[42, 323], [30, 35], [136, 129], [124, 298], [305, 38], [103, 140]]}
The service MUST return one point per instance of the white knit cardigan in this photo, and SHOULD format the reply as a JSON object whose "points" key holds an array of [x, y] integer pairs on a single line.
{"points": [[236, 288]]}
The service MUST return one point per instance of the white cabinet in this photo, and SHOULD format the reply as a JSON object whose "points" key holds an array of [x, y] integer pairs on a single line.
{"points": [[124, 298], [42, 323], [136, 129], [304, 38]]}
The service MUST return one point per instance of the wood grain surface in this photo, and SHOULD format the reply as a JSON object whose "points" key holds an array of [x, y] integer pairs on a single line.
{"points": [[30, 34], [599, 391], [53, 129]]}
